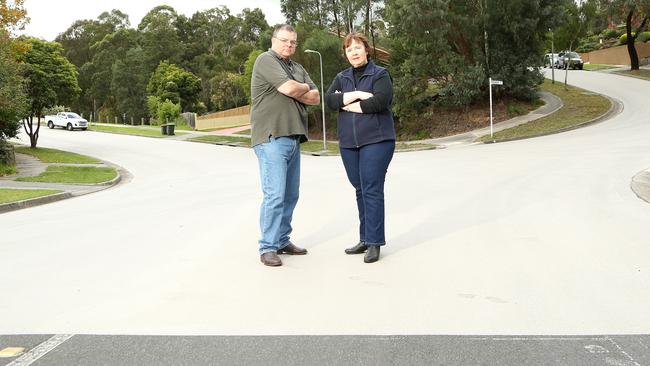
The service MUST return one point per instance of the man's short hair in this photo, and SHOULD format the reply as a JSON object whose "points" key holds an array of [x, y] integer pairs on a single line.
{"points": [[282, 27]]}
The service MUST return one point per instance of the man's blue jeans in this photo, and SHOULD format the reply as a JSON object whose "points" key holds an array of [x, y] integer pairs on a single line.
{"points": [[279, 161], [366, 168]]}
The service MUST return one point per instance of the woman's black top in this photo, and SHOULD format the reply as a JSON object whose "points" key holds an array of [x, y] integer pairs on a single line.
{"points": [[381, 90]]}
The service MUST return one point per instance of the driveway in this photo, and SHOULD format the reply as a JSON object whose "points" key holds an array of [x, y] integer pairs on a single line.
{"points": [[539, 236]]}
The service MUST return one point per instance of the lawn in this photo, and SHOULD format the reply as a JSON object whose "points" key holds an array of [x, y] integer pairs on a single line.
{"points": [[56, 156], [73, 175], [8, 195], [596, 67], [579, 107], [642, 73], [129, 130], [223, 139]]}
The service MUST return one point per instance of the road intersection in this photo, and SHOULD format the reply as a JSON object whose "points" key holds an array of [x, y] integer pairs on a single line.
{"points": [[540, 237]]}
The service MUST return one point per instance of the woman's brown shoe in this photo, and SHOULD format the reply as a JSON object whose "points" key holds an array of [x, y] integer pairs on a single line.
{"points": [[357, 249]]}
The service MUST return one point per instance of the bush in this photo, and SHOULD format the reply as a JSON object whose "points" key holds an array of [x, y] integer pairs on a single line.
{"points": [[643, 37], [610, 33], [168, 111], [152, 106], [7, 155], [623, 38], [587, 47]]}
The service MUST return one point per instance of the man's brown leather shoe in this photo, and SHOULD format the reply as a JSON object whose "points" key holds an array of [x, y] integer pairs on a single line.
{"points": [[291, 249], [271, 259]]}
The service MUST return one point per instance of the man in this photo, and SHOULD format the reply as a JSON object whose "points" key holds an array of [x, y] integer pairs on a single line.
{"points": [[280, 89]]}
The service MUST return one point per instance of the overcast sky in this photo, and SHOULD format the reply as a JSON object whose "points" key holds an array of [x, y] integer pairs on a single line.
{"points": [[51, 17]]}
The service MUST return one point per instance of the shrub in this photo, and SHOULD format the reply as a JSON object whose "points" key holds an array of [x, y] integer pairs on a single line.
{"points": [[587, 47], [643, 37], [152, 106], [610, 33], [623, 38], [168, 111]]}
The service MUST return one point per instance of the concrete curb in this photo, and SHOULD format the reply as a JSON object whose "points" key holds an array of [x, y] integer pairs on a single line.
{"points": [[121, 174], [640, 185], [6, 207], [616, 107]]}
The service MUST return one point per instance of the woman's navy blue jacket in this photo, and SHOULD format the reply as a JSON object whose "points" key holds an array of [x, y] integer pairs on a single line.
{"points": [[359, 129]]}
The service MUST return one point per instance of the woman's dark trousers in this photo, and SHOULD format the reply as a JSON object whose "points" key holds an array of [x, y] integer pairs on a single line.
{"points": [[366, 168]]}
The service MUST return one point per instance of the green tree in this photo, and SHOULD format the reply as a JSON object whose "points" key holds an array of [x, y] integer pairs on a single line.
{"points": [[78, 39], [13, 15], [176, 84], [444, 51], [245, 80], [97, 75], [13, 101], [253, 24], [228, 91], [129, 84], [160, 36], [51, 80]]}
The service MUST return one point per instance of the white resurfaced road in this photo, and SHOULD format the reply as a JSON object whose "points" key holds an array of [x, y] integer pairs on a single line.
{"points": [[540, 236]]}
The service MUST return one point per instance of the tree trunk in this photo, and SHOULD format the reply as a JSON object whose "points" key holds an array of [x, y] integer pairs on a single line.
{"points": [[336, 18], [634, 56], [28, 125], [368, 17], [320, 14], [372, 35]]}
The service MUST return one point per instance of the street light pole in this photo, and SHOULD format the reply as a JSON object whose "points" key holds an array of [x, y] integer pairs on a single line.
{"points": [[322, 95]]}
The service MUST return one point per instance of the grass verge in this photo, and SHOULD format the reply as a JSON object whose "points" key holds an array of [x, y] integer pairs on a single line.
{"points": [[401, 146], [596, 67], [316, 146], [579, 107], [312, 146], [8, 195], [56, 156], [644, 74], [7, 169], [223, 139], [128, 130], [73, 174]]}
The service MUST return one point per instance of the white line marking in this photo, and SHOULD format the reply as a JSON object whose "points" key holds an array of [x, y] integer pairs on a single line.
{"points": [[40, 350], [620, 349]]}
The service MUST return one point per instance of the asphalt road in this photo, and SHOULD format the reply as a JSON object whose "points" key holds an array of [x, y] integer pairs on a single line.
{"points": [[535, 237]]}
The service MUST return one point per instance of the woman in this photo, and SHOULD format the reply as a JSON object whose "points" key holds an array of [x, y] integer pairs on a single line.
{"points": [[363, 94]]}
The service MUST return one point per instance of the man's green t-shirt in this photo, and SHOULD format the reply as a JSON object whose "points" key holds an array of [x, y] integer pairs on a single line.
{"points": [[274, 114]]}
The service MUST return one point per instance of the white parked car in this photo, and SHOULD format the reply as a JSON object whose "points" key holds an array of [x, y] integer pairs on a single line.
{"points": [[550, 60], [570, 60], [67, 120]]}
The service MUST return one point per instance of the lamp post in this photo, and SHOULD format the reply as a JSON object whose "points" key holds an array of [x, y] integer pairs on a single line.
{"points": [[322, 95]]}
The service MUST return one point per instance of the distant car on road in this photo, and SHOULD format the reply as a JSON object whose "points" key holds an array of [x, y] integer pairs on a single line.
{"points": [[550, 60], [67, 120], [570, 60]]}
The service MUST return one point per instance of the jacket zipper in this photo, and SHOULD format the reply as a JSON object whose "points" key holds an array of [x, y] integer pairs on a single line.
{"points": [[354, 125]]}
